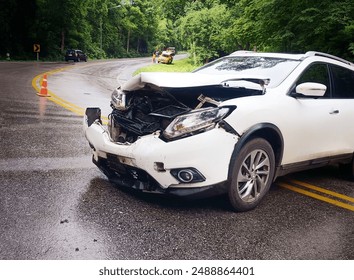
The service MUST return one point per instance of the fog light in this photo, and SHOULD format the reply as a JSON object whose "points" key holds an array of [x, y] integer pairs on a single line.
{"points": [[187, 175]]}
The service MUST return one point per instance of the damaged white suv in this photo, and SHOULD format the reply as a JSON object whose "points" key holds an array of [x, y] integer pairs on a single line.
{"points": [[232, 126]]}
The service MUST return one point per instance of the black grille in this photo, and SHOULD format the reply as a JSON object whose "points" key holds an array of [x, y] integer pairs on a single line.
{"points": [[126, 171], [115, 165]]}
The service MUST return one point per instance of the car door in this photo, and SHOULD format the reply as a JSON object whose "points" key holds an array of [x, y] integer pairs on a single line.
{"points": [[343, 94], [315, 121]]}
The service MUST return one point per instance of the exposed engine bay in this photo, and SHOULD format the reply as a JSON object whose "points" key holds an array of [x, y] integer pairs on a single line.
{"points": [[150, 109]]}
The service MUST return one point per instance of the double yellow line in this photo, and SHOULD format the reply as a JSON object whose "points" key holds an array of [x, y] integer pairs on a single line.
{"points": [[36, 84], [325, 195]]}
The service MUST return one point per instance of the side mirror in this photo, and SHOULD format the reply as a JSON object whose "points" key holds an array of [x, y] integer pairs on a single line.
{"points": [[311, 90]]}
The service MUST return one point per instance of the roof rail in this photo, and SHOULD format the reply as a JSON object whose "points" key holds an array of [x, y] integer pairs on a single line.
{"points": [[312, 53]]}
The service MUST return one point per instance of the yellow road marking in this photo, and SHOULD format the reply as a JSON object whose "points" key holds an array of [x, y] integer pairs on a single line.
{"points": [[56, 99], [317, 196], [318, 189]]}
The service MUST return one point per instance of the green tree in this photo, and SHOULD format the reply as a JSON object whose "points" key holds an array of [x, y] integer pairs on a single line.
{"points": [[61, 24], [294, 26], [128, 27], [208, 28], [203, 30], [17, 27]]}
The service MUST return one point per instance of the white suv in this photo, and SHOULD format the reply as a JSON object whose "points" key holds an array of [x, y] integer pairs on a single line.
{"points": [[232, 126]]}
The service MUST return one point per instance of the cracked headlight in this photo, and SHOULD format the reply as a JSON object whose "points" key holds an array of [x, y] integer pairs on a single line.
{"points": [[195, 121], [118, 99]]}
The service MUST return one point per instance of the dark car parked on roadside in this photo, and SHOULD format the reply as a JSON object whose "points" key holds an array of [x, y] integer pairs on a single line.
{"points": [[75, 55]]}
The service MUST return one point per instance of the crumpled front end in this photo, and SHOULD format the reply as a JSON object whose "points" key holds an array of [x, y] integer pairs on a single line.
{"points": [[167, 139], [185, 167]]}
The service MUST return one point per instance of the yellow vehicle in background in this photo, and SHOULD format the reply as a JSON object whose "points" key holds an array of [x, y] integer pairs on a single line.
{"points": [[165, 57]]}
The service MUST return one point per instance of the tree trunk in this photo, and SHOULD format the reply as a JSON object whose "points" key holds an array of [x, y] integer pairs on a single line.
{"points": [[62, 45], [128, 41]]}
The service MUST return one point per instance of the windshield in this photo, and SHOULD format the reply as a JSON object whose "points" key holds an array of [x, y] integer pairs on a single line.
{"points": [[275, 69]]}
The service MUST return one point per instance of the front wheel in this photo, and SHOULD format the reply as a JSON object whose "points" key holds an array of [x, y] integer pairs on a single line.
{"points": [[252, 174]]}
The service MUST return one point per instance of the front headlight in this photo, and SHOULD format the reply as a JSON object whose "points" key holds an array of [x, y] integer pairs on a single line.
{"points": [[118, 99], [195, 121]]}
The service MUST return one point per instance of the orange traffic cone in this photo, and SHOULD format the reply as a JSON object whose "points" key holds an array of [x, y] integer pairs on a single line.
{"points": [[44, 90]]}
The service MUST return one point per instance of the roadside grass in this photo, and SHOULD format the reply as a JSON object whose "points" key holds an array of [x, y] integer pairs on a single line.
{"points": [[182, 65]]}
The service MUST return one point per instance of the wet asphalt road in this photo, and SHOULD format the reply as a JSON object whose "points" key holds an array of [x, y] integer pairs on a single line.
{"points": [[55, 204]]}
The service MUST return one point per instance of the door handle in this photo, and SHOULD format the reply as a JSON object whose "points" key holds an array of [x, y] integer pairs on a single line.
{"points": [[333, 112]]}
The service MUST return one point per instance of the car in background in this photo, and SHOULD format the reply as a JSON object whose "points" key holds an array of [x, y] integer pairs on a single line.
{"points": [[230, 127], [165, 57], [75, 55], [172, 50]]}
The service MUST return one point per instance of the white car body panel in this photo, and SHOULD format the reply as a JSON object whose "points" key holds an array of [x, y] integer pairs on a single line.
{"points": [[314, 139], [150, 149], [165, 79], [178, 80]]}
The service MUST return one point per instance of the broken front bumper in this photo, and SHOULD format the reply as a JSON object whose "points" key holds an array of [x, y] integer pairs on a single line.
{"points": [[191, 166]]}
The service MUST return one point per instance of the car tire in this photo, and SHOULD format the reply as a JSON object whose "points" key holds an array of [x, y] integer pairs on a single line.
{"points": [[252, 174]]}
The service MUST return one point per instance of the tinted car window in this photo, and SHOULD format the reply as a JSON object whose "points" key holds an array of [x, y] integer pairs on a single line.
{"points": [[316, 73], [343, 82], [275, 69]]}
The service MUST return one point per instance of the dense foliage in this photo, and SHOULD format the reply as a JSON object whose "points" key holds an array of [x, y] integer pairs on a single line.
{"points": [[207, 29]]}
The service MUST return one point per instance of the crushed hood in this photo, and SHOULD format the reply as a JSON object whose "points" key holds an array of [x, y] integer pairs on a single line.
{"points": [[180, 80]]}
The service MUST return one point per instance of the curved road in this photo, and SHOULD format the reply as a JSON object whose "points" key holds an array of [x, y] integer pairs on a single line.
{"points": [[55, 204]]}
